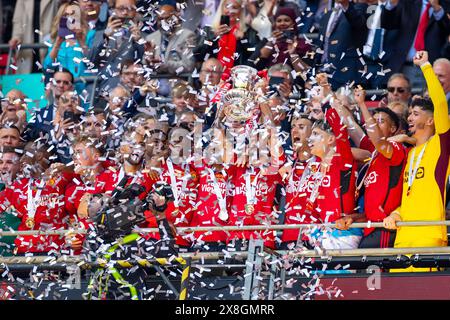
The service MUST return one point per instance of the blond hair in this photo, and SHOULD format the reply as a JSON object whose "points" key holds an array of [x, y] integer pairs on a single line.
{"points": [[57, 18]]}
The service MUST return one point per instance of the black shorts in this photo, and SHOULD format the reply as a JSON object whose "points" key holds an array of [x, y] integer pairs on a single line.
{"points": [[379, 238]]}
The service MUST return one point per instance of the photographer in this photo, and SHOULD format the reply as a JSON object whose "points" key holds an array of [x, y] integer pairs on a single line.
{"points": [[66, 125], [285, 46], [121, 42], [71, 38]]}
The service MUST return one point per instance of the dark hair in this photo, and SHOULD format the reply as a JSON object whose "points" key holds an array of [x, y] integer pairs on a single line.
{"points": [[424, 103], [392, 115], [64, 70], [298, 116], [10, 126], [9, 149]]}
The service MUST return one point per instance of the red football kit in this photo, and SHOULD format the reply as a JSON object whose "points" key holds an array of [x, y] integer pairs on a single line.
{"points": [[298, 190], [184, 180], [40, 205], [333, 191], [209, 205], [252, 199], [105, 182], [383, 184]]}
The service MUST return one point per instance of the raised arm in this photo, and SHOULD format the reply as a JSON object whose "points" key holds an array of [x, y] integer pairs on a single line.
{"points": [[372, 128], [342, 142], [436, 92]]}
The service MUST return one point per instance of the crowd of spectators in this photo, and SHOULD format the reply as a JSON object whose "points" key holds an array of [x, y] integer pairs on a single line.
{"points": [[163, 107]]}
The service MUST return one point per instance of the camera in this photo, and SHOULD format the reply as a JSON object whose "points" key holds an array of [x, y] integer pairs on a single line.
{"points": [[288, 34], [63, 29], [70, 115], [274, 84], [116, 216]]}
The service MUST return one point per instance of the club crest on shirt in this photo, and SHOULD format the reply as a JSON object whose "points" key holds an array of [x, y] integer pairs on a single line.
{"points": [[326, 181]]}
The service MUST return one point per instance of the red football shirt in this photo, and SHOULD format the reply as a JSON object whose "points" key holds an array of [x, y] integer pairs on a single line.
{"points": [[383, 184], [186, 181], [50, 213], [207, 206], [297, 193], [337, 183], [264, 188]]}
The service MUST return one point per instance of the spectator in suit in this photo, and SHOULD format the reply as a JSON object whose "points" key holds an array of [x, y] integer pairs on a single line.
{"points": [[121, 41], [422, 25], [399, 88], [42, 121], [442, 69], [378, 47], [171, 46], [90, 10], [342, 30]]}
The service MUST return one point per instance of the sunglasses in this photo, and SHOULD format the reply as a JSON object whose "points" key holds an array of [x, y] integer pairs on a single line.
{"points": [[398, 89]]}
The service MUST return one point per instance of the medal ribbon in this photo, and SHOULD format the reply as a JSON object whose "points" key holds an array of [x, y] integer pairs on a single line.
{"points": [[412, 173], [223, 214], [31, 203], [250, 188], [173, 183]]}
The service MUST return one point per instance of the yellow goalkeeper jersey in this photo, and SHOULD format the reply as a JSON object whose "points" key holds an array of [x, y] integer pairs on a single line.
{"points": [[426, 199]]}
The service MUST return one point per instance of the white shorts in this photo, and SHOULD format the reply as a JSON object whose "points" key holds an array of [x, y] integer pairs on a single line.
{"points": [[335, 239]]}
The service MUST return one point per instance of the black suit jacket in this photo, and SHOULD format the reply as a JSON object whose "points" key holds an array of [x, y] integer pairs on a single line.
{"points": [[350, 33], [405, 18], [41, 122]]}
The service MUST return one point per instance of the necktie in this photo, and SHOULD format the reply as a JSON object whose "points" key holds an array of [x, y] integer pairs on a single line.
{"points": [[419, 44], [376, 45], [326, 43]]}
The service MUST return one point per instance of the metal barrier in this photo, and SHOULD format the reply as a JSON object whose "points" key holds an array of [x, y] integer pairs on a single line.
{"points": [[184, 230]]}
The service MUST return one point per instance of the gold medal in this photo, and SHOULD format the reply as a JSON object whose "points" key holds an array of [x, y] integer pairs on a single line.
{"points": [[249, 209], [30, 223]]}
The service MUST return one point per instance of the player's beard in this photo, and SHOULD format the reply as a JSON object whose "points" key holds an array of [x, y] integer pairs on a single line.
{"points": [[31, 170], [6, 178], [135, 158]]}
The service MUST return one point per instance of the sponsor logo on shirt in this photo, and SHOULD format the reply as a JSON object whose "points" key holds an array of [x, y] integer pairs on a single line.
{"points": [[370, 179], [49, 200], [209, 187], [262, 189], [419, 175]]}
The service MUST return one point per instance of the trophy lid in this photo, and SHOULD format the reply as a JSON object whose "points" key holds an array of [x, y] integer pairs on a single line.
{"points": [[243, 76]]}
